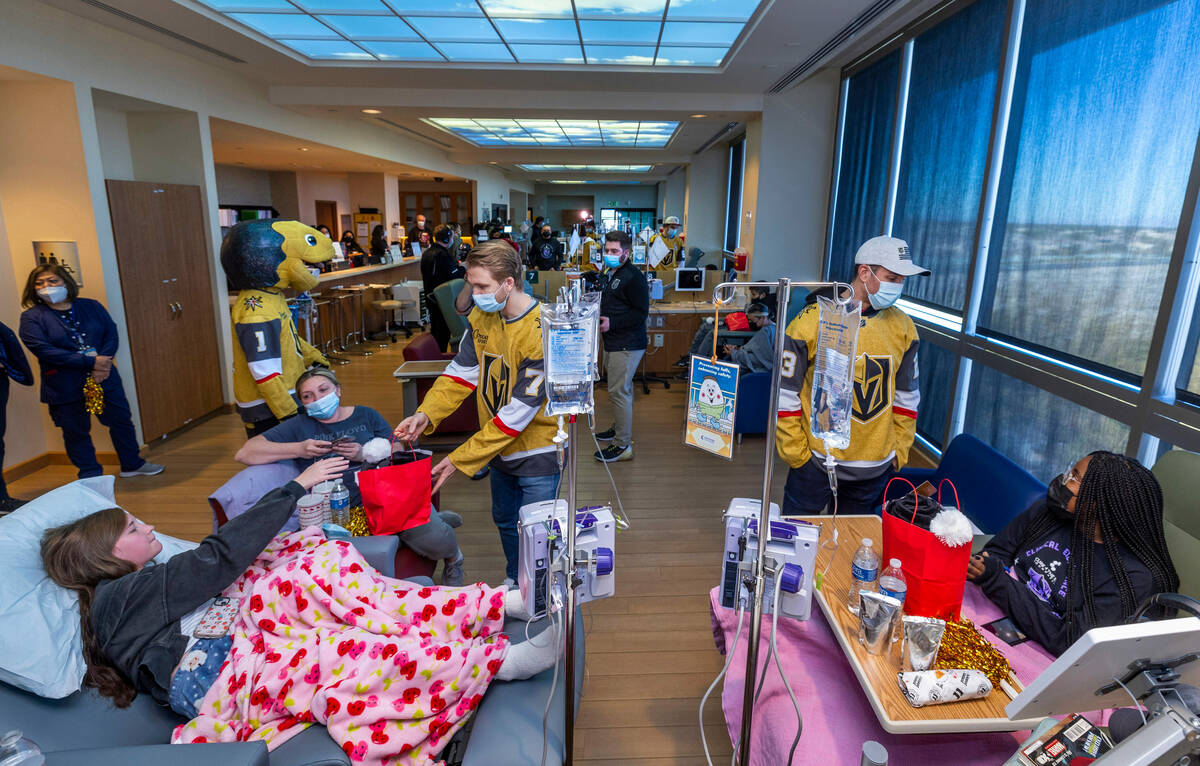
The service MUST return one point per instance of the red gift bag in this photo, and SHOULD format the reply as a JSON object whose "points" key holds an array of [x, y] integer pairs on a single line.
{"points": [[737, 321], [396, 497], [936, 573]]}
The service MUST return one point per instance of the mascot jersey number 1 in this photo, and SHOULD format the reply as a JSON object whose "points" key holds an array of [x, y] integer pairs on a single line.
{"points": [[261, 259]]}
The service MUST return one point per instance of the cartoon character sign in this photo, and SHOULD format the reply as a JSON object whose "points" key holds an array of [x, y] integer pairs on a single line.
{"points": [[712, 393], [261, 259]]}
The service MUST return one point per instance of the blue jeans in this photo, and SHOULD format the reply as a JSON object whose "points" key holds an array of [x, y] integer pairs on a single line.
{"points": [[509, 493]]}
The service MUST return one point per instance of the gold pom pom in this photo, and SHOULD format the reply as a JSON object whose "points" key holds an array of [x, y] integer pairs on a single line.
{"points": [[963, 646], [358, 522], [93, 396]]}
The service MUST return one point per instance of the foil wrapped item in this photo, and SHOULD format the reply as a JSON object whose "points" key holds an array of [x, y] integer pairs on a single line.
{"points": [[936, 687], [922, 637], [876, 615]]}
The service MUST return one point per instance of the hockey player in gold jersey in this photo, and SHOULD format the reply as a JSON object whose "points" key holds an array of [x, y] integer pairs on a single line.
{"points": [[500, 363], [883, 418]]}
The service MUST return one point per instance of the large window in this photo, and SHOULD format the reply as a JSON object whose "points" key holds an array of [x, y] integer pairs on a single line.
{"points": [[733, 194], [952, 86], [1101, 140], [936, 368], [868, 123], [1042, 168], [1040, 431]]}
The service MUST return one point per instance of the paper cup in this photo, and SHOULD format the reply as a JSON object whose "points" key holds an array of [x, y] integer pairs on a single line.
{"points": [[311, 510]]}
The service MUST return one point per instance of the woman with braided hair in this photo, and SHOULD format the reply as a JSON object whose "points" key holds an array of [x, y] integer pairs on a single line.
{"points": [[1084, 556]]}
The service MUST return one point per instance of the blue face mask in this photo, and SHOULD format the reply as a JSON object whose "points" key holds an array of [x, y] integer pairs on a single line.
{"points": [[323, 408], [487, 302], [886, 296], [612, 261]]}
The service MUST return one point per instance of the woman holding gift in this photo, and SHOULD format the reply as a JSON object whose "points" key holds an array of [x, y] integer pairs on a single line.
{"points": [[75, 340], [1085, 556]]}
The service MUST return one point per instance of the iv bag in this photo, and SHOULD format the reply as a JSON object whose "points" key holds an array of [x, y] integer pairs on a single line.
{"points": [[570, 339], [833, 371]]}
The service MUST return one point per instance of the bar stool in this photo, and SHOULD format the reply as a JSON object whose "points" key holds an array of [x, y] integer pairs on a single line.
{"points": [[352, 321], [388, 306], [326, 325]]}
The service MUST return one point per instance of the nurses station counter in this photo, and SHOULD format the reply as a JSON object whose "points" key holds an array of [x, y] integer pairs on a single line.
{"points": [[676, 319], [389, 273]]}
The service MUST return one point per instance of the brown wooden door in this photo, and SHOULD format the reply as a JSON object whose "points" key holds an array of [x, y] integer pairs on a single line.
{"points": [[162, 256], [327, 216]]}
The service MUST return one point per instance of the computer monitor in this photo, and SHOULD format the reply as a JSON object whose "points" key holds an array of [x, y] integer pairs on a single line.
{"points": [[508, 229], [689, 280]]}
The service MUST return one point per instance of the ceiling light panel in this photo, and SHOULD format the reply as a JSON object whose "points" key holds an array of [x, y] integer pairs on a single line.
{"points": [[601, 133], [586, 168], [625, 33]]}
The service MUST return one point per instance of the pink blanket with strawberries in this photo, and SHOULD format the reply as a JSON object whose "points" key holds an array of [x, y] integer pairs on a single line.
{"points": [[391, 669]]}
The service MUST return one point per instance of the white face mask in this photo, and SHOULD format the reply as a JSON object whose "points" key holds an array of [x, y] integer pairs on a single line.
{"points": [[55, 294], [887, 294]]}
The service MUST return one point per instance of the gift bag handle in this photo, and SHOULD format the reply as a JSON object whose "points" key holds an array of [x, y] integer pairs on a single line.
{"points": [[392, 456], [916, 498], [957, 502]]}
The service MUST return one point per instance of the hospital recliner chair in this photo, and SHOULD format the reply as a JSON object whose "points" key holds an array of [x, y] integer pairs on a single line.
{"points": [[1178, 473]]}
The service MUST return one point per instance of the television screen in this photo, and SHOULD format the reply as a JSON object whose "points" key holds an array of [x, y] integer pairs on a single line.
{"points": [[689, 280]]}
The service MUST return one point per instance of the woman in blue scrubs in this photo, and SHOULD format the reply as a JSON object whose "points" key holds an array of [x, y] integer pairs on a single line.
{"points": [[74, 338]]}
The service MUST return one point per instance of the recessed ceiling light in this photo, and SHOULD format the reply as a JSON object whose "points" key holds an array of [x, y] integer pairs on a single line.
{"points": [[697, 116], [304, 148], [371, 111]]}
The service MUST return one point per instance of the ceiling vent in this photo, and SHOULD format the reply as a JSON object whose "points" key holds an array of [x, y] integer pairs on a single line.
{"points": [[416, 133], [161, 30], [848, 31]]}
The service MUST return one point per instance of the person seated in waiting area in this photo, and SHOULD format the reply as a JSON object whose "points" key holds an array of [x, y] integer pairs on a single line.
{"points": [[325, 427], [351, 249], [307, 613], [1085, 556], [755, 355]]}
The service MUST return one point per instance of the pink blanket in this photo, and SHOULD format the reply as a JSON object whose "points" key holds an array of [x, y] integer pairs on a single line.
{"points": [[837, 715], [390, 668]]}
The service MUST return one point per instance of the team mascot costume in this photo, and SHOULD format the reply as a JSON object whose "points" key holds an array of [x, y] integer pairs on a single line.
{"points": [[261, 259]]}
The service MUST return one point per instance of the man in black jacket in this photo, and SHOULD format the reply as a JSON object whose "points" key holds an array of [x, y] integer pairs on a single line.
{"points": [[418, 235], [624, 308], [546, 252], [438, 266]]}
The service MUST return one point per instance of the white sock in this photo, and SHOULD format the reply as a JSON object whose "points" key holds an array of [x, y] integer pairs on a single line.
{"points": [[514, 605], [527, 659]]}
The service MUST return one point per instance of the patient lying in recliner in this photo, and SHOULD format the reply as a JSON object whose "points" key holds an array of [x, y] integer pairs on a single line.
{"points": [[317, 636]]}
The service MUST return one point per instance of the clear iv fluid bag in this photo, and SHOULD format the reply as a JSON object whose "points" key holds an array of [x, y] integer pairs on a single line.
{"points": [[833, 371], [570, 338]]}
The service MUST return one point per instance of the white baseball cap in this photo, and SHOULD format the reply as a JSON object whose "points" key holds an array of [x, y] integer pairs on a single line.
{"points": [[890, 253]]}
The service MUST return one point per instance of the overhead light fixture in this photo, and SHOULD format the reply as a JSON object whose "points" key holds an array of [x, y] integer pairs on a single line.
{"points": [[304, 148], [697, 116], [371, 111], [584, 214]]}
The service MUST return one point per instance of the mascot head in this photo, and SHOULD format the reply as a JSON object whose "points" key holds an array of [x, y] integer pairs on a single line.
{"points": [[273, 253]]}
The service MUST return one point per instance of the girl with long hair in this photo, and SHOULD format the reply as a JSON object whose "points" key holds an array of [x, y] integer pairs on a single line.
{"points": [[312, 634], [1085, 556]]}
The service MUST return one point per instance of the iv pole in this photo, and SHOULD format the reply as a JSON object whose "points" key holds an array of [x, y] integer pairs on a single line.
{"points": [[784, 287], [573, 581]]}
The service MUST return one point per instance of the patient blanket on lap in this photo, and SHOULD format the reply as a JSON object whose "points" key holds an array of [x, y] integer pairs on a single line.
{"points": [[390, 668]]}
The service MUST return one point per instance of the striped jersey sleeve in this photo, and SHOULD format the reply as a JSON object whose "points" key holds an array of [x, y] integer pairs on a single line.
{"points": [[454, 385], [905, 402], [261, 345], [791, 429]]}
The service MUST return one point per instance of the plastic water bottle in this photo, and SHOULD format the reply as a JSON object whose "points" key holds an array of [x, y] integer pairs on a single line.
{"points": [[15, 750], [339, 504], [892, 583], [865, 572]]}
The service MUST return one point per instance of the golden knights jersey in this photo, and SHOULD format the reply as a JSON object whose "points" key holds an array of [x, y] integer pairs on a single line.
{"points": [[268, 355], [591, 248], [671, 261], [499, 361], [883, 419]]}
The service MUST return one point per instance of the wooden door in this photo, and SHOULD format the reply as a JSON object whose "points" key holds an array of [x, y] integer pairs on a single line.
{"points": [[327, 216], [162, 257]]}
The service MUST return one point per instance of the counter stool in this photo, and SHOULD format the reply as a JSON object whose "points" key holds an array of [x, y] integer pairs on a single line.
{"points": [[326, 325], [388, 307], [351, 315]]}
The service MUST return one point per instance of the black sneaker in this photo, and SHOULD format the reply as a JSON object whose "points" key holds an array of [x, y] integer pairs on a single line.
{"points": [[684, 361], [615, 454], [607, 436]]}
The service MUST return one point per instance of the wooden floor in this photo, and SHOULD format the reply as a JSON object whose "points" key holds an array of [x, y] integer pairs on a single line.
{"points": [[650, 653]]}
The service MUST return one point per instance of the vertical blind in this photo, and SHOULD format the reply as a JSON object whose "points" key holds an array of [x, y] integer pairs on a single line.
{"points": [[952, 86], [1101, 138], [733, 195], [870, 114]]}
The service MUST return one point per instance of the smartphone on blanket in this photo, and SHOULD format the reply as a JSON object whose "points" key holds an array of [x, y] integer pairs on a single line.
{"points": [[218, 619]]}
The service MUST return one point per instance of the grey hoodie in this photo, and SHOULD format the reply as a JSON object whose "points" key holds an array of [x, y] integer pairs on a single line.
{"points": [[136, 617]]}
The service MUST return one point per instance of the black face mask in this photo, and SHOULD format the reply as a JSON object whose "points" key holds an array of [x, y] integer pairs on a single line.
{"points": [[1057, 498]]}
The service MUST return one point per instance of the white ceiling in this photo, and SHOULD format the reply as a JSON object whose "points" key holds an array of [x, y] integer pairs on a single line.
{"points": [[782, 34]]}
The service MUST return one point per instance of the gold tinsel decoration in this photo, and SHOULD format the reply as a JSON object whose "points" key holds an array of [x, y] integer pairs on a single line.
{"points": [[963, 646], [93, 396], [358, 522]]}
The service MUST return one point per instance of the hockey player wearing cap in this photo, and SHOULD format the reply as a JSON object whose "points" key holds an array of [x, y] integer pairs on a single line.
{"points": [[883, 419], [673, 238]]}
